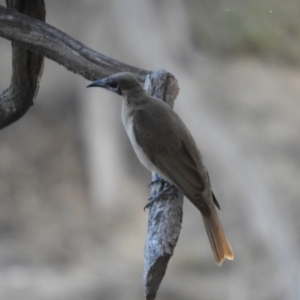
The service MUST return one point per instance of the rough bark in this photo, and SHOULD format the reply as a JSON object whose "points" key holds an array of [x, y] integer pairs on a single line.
{"points": [[36, 37], [27, 68], [31, 41], [165, 216]]}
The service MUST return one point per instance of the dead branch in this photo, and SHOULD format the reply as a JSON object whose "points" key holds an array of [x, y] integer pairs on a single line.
{"points": [[33, 39], [165, 217], [27, 68], [35, 36]]}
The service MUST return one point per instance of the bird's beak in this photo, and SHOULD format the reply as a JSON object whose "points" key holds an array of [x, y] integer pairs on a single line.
{"points": [[98, 83]]}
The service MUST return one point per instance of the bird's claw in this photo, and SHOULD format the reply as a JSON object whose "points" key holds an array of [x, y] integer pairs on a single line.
{"points": [[150, 203], [166, 192], [156, 181]]}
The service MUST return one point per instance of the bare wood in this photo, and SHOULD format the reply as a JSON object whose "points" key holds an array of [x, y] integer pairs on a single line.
{"points": [[50, 42], [165, 216], [27, 68], [29, 34], [36, 36]]}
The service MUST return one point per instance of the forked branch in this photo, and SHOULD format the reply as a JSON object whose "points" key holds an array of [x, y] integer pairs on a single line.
{"points": [[32, 40]]}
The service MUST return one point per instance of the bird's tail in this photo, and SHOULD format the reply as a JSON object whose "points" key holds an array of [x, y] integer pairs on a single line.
{"points": [[219, 244]]}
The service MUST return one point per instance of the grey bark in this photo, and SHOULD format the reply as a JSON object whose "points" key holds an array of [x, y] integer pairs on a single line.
{"points": [[165, 216], [27, 68], [32, 40], [32, 37]]}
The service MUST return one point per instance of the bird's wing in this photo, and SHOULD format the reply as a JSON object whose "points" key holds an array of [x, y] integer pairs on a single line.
{"points": [[171, 149]]}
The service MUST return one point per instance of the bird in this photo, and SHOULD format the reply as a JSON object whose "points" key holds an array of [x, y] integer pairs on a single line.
{"points": [[163, 144]]}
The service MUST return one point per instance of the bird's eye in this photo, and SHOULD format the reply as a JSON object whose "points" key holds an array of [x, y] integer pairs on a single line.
{"points": [[113, 84]]}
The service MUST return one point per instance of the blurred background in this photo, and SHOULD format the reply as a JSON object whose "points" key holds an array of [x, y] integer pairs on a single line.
{"points": [[72, 192]]}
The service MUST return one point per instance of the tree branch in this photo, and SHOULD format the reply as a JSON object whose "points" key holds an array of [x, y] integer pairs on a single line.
{"points": [[36, 39], [165, 216], [27, 68], [50, 42], [45, 40]]}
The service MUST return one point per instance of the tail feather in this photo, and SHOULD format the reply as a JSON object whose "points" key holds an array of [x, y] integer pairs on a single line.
{"points": [[219, 244]]}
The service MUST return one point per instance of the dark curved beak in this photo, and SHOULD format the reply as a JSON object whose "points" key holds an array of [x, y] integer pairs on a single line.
{"points": [[97, 83]]}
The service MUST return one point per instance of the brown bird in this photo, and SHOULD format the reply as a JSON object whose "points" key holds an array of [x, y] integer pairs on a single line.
{"points": [[163, 144]]}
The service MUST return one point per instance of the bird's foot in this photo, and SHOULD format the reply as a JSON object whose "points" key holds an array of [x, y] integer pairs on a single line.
{"points": [[156, 181], [167, 191]]}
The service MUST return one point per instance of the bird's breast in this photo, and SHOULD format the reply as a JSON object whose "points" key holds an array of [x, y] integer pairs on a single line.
{"points": [[144, 159]]}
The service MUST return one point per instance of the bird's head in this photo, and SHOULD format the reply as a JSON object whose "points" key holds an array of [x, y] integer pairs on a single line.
{"points": [[120, 83]]}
